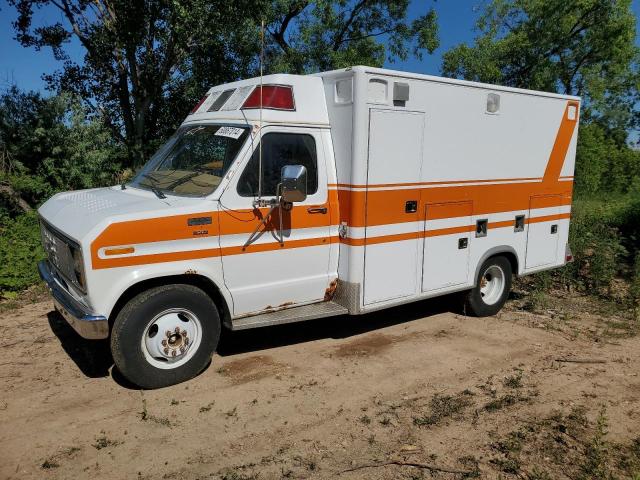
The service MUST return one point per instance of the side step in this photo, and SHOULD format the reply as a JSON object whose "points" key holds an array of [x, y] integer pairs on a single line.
{"points": [[289, 315]]}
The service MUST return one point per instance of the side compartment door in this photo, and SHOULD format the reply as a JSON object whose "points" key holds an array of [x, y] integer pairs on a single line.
{"points": [[542, 234], [446, 245], [265, 267], [392, 218]]}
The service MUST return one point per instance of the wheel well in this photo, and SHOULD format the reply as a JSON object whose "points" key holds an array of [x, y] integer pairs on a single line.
{"points": [[506, 252], [199, 281], [513, 260]]}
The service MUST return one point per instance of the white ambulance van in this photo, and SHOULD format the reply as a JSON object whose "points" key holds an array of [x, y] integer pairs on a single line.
{"points": [[311, 196]]}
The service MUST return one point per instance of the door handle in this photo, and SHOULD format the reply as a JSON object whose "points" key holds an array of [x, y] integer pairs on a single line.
{"points": [[554, 229], [317, 210]]}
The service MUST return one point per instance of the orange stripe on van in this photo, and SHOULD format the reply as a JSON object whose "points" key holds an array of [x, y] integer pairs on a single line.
{"points": [[212, 252], [359, 242], [383, 207], [561, 145], [311, 242], [176, 227], [443, 183], [549, 218]]}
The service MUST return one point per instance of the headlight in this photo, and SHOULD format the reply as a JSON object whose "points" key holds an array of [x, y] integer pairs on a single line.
{"points": [[78, 265]]}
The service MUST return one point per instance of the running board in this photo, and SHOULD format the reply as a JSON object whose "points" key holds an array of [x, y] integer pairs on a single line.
{"points": [[289, 315]]}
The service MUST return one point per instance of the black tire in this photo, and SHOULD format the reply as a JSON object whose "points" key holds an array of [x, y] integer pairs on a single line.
{"points": [[475, 304], [132, 324]]}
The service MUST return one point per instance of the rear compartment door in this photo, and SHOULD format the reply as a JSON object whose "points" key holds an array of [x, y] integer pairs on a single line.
{"points": [[393, 225], [542, 235], [446, 245]]}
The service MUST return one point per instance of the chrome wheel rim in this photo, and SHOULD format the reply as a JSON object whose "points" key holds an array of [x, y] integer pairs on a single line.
{"points": [[171, 338], [492, 285]]}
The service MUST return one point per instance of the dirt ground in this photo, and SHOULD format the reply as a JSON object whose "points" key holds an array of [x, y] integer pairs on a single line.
{"points": [[412, 392]]}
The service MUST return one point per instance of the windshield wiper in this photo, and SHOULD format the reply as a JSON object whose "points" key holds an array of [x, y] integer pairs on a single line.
{"points": [[153, 186], [182, 180]]}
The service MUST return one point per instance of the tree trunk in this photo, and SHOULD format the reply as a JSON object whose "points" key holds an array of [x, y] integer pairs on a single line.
{"points": [[14, 198]]}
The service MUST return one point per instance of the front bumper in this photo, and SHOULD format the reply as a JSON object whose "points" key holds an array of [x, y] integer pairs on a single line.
{"points": [[83, 321]]}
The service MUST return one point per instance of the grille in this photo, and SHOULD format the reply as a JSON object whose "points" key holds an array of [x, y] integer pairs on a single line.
{"points": [[58, 250]]}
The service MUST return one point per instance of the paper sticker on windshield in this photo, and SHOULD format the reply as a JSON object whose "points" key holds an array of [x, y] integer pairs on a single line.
{"points": [[231, 132]]}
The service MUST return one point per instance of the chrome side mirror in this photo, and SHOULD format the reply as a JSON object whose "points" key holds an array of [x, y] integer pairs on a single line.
{"points": [[293, 183]]}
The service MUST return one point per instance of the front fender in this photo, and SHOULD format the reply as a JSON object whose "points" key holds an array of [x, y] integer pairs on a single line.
{"points": [[106, 286]]}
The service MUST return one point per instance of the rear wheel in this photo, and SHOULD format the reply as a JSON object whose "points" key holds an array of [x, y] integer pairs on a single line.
{"points": [[492, 288], [165, 335]]}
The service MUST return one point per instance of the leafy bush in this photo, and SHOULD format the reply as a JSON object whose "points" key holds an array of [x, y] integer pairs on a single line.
{"points": [[51, 144], [20, 251], [604, 239]]}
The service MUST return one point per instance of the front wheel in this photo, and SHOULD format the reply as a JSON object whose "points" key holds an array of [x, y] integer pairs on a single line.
{"points": [[492, 288], [165, 335]]}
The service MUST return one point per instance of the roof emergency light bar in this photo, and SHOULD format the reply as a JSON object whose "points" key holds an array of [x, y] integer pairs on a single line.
{"points": [[274, 97], [195, 109]]}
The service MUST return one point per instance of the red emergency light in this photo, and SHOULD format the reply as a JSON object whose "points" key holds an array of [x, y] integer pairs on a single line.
{"points": [[275, 97], [199, 103]]}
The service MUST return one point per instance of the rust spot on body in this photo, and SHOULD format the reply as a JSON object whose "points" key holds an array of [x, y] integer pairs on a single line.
{"points": [[331, 290], [191, 271]]}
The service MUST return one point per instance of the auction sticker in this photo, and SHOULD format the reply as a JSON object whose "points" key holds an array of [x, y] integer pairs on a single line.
{"points": [[231, 132]]}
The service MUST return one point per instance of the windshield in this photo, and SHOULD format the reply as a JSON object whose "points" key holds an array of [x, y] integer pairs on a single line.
{"points": [[193, 162]]}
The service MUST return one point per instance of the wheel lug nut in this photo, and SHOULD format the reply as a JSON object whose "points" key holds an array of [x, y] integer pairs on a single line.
{"points": [[177, 330], [166, 351], [173, 353], [183, 333], [186, 341], [182, 349], [168, 333], [164, 343]]}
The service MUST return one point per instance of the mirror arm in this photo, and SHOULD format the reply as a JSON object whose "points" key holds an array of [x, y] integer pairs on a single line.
{"points": [[275, 203]]}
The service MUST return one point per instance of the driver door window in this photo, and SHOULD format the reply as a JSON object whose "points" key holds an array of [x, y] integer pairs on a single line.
{"points": [[278, 150]]}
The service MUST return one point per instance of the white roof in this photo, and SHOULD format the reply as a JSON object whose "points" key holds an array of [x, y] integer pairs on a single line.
{"points": [[310, 106], [433, 78]]}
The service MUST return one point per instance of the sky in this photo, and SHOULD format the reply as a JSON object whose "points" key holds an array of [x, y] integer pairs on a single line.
{"points": [[25, 66]]}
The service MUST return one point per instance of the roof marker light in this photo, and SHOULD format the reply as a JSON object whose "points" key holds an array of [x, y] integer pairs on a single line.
{"points": [[198, 104], [275, 97]]}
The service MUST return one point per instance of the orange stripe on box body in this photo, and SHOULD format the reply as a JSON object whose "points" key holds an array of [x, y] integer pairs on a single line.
{"points": [[359, 242], [388, 206]]}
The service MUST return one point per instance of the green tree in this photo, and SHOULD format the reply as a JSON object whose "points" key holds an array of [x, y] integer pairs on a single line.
{"points": [[147, 62], [581, 47], [308, 36], [142, 58], [49, 145]]}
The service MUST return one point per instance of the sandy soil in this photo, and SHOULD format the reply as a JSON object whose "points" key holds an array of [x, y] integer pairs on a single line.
{"points": [[332, 398]]}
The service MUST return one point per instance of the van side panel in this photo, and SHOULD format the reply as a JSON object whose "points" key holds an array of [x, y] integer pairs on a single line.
{"points": [[493, 147]]}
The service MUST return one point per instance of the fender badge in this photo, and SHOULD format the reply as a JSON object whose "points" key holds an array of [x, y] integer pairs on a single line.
{"points": [[201, 232]]}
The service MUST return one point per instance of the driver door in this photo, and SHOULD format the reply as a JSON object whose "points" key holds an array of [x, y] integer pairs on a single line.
{"points": [[265, 266]]}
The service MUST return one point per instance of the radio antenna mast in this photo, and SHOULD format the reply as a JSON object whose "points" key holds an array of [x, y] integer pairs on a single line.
{"points": [[260, 131]]}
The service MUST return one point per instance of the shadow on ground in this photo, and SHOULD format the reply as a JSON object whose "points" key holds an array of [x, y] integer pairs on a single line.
{"points": [[93, 357], [344, 326]]}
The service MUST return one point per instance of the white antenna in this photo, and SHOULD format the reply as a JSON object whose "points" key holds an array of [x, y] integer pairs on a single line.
{"points": [[260, 132]]}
